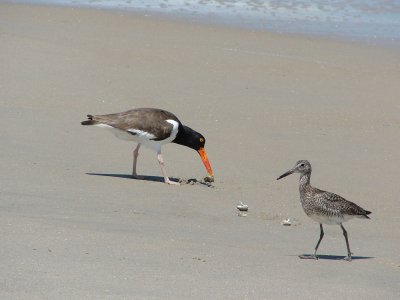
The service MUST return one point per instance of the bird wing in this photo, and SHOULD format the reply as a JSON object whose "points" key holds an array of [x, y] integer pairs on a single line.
{"points": [[335, 203], [149, 122]]}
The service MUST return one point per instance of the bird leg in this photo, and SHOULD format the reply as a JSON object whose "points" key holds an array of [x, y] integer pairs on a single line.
{"points": [[348, 257], [321, 235], [164, 172], [314, 256], [135, 156]]}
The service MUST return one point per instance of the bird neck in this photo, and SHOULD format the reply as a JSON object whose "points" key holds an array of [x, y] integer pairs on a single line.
{"points": [[304, 181], [180, 137], [184, 136]]}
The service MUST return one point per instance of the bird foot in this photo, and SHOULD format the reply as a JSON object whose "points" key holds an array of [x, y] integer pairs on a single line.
{"points": [[308, 256], [170, 182], [348, 258]]}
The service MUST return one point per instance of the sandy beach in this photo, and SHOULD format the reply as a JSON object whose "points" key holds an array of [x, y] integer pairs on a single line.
{"points": [[74, 225]]}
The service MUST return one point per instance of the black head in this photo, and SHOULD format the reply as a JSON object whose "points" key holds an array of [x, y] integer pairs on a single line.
{"points": [[302, 167], [190, 138]]}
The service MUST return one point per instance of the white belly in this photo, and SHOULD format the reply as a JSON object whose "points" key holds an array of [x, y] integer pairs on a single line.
{"points": [[333, 220], [121, 134]]}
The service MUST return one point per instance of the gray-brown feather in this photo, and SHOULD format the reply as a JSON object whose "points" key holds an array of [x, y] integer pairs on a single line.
{"points": [[316, 201], [150, 120]]}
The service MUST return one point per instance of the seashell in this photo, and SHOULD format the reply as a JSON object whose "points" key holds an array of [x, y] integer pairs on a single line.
{"points": [[287, 222], [242, 207]]}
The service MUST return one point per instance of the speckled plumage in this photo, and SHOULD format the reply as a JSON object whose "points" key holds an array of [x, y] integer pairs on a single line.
{"points": [[322, 206]]}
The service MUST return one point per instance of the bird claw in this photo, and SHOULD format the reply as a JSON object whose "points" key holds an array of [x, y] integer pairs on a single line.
{"points": [[171, 182], [348, 258]]}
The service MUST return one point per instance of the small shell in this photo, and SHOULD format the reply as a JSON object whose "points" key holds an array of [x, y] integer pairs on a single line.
{"points": [[287, 222], [242, 207]]}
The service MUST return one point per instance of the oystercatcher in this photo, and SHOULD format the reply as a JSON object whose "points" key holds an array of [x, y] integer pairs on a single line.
{"points": [[152, 128]]}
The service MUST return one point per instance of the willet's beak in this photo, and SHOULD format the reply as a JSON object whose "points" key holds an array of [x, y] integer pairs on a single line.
{"points": [[206, 163], [286, 174]]}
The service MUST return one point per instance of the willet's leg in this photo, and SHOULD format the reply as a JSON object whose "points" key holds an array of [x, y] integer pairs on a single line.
{"points": [[135, 156], [348, 257], [164, 172], [314, 256], [320, 239]]}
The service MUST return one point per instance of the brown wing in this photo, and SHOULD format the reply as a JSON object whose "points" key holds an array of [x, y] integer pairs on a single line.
{"points": [[336, 204], [151, 120]]}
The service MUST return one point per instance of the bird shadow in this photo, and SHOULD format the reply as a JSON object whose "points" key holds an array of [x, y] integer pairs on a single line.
{"points": [[141, 177], [336, 257]]}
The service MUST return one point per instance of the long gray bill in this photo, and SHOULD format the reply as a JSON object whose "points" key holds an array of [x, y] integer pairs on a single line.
{"points": [[285, 174]]}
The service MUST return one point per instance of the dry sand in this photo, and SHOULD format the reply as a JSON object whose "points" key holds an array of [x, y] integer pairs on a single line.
{"points": [[263, 101]]}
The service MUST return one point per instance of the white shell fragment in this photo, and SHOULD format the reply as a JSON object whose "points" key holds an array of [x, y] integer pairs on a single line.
{"points": [[288, 222], [242, 207]]}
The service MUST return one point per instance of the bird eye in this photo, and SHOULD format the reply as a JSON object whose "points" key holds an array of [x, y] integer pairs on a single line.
{"points": [[201, 140], [302, 165]]}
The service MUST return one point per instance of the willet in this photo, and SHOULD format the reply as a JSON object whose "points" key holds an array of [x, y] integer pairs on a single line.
{"points": [[324, 207]]}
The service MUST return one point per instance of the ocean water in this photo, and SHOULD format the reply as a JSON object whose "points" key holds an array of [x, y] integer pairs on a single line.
{"points": [[371, 21]]}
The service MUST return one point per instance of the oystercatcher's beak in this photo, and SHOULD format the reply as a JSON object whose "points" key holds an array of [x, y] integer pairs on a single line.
{"points": [[286, 174], [206, 163]]}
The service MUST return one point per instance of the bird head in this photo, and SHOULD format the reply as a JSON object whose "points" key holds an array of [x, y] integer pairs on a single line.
{"points": [[302, 167], [192, 139]]}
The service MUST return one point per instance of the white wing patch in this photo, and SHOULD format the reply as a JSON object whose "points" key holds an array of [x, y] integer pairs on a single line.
{"points": [[142, 134], [103, 126]]}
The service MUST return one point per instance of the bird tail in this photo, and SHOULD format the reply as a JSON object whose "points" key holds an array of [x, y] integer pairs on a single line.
{"points": [[90, 121], [367, 213]]}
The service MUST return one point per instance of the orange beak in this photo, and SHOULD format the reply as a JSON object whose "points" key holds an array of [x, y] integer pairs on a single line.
{"points": [[206, 163]]}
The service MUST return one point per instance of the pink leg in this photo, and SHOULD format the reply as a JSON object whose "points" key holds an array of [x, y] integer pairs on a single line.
{"points": [[135, 156], [164, 172]]}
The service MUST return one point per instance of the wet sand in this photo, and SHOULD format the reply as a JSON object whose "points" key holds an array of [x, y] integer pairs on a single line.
{"points": [[74, 225]]}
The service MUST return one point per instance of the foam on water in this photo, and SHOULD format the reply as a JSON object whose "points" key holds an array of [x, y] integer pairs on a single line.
{"points": [[367, 20]]}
